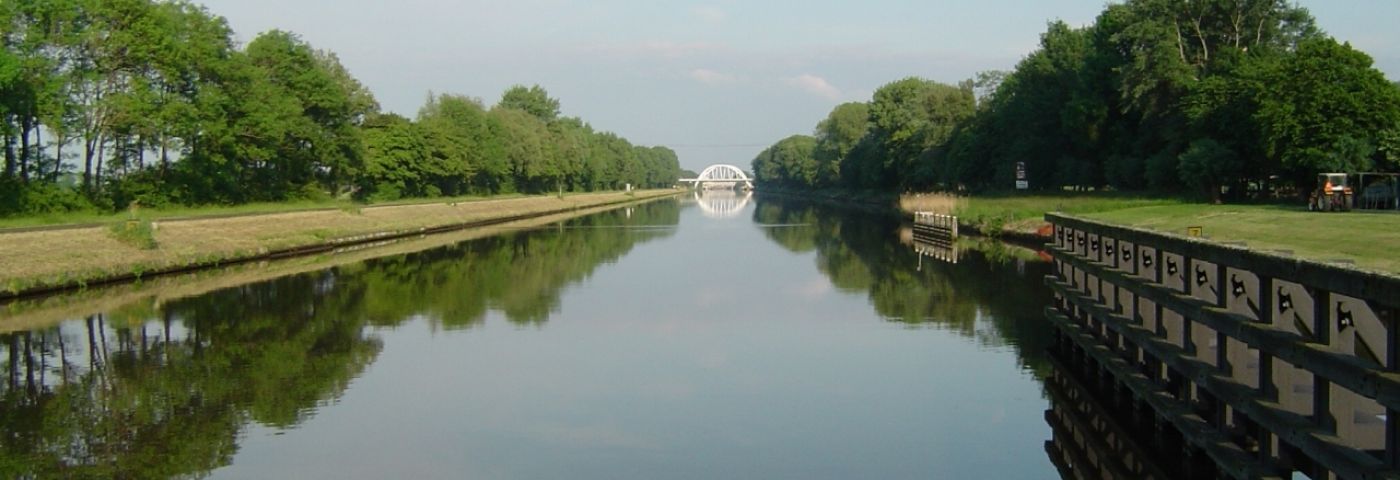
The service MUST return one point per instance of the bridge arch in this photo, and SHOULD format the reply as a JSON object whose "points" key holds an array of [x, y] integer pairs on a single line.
{"points": [[722, 175]]}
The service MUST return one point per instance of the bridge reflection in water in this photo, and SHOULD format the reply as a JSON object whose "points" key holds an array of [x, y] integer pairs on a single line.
{"points": [[1182, 359], [722, 203]]}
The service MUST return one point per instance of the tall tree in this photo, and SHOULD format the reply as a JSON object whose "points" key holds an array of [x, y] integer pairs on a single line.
{"points": [[320, 142], [464, 148], [1325, 108], [836, 136], [528, 149], [533, 100], [790, 162], [908, 117], [397, 160]]}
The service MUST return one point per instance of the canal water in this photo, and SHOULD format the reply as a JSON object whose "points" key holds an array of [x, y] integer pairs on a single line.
{"points": [[727, 337]]}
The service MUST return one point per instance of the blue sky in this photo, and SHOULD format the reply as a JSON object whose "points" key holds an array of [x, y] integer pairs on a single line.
{"points": [[718, 80]]}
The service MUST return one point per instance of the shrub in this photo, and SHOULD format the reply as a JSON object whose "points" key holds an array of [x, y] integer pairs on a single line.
{"points": [[139, 233], [17, 198]]}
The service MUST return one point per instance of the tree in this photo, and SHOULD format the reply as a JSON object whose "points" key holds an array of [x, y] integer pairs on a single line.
{"points": [[836, 137], [1170, 43], [153, 102], [570, 136], [909, 117], [1053, 113], [396, 160], [320, 142], [1324, 108], [533, 100], [528, 149], [464, 151], [1207, 165], [789, 162]]}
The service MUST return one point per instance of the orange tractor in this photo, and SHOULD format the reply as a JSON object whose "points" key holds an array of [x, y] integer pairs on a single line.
{"points": [[1332, 193]]}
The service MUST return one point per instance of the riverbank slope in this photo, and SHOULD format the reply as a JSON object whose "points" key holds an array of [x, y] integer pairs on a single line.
{"points": [[59, 258], [1366, 239]]}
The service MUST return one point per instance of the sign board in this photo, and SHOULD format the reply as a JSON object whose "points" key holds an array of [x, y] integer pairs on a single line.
{"points": [[1022, 185], [1021, 182], [1195, 231]]}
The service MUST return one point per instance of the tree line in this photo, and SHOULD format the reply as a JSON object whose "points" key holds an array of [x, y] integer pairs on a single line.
{"points": [[108, 102], [1168, 95]]}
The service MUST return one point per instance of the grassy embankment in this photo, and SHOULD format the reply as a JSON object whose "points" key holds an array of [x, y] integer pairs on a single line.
{"points": [[153, 242], [136, 297], [1370, 239], [175, 212]]}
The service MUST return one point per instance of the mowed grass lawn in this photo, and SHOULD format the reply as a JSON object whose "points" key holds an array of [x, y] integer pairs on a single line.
{"points": [[1371, 239], [1022, 213]]}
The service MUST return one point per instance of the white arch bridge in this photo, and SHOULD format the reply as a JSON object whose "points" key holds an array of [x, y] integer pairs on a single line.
{"points": [[720, 176]]}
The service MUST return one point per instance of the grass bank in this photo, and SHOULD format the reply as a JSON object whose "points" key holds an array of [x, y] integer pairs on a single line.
{"points": [[135, 247], [1023, 215], [143, 296], [1367, 239], [181, 212]]}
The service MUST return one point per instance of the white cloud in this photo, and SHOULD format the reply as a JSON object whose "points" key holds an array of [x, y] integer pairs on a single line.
{"points": [[710, 13], [711, 77], [816, 86]]}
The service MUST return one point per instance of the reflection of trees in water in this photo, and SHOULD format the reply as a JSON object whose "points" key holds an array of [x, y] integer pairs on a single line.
{"points": [[146, 394], [519, 274], [153, 391], [859, 252]]}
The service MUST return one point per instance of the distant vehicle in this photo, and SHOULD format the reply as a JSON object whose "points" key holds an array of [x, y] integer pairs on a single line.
{"points": [[1332, 193], [1379, 191]]}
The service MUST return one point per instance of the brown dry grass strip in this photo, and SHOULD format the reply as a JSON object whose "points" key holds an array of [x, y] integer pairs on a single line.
{"points": [[45, 311], [62, 257]]}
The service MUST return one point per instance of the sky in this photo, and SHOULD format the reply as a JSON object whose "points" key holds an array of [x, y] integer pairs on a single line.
{"points": [[717, 81]]}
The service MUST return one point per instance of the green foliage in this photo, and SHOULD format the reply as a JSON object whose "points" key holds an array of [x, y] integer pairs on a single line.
{"points": [[790, 162], [836, 137], [528, 149], [1323, 109], [17, 198], [1207, 165], [1388, 149], [135, 232], [314, 128], [396, 159], [533, 100], [1155, 94], [154, 102], [908, 118]]}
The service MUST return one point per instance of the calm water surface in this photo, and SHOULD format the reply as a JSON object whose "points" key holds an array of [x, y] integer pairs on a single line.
{"points": [[730, 339]]}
